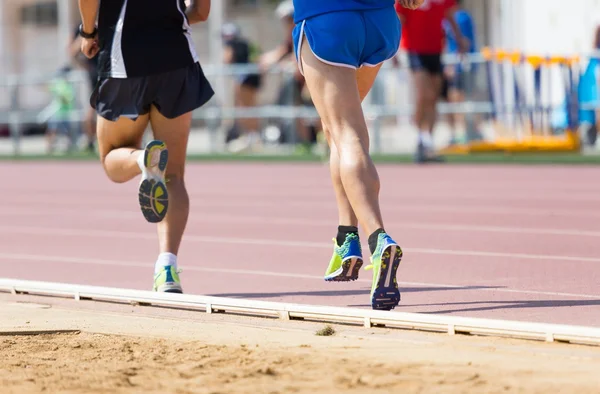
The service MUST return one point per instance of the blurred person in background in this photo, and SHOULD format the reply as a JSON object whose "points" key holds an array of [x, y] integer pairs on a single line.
{"points": [[245, 133], [423, 40], [149, 74], [459, 79], [294, 91], [91, 68], [62, 110]]}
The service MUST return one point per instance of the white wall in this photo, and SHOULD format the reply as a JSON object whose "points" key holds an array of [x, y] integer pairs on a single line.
{"points": [[544, 26]]}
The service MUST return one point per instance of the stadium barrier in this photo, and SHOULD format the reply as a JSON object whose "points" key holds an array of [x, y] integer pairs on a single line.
{"points": [[525, 103], [535, 102], [451, 325]]}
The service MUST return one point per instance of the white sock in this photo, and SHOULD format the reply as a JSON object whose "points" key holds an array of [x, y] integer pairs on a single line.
{"points": [[140, 162], [164, 260], [425, 139]]}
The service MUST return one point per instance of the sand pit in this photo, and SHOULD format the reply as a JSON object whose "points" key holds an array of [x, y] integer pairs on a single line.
{"points": [[133, 353]]}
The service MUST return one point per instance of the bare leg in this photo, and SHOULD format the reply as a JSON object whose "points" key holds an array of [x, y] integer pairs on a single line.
{"points": [[90, 127], [174, 133], [365, 77], [420, 79], [434, 87], [247, 97], [119, 145], [50, 140], [336, 97]]}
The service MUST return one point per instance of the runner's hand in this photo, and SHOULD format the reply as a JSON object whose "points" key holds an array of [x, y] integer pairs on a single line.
{"points": [[411, 4], [464, 45], [89, 47]]}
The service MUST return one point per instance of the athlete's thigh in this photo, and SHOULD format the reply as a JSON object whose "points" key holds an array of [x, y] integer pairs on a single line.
{"points": [[365, 78], [121, 133], [335, 93], [175, 134], [434, 83], [421, 82]]}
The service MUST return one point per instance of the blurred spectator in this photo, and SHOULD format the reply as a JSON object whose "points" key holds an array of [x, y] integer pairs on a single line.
{"points": [[293, 91], [62, 109], [423, 40], [459, 79], [244, 133], [91, 67]]}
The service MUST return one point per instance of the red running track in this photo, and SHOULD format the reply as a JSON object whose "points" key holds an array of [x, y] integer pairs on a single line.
{"points": [[505, 242]]}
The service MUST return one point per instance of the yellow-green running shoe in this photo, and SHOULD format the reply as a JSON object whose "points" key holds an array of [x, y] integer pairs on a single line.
{"points": [[153, 195], [384, 263], [167, 280], [346, 260]]}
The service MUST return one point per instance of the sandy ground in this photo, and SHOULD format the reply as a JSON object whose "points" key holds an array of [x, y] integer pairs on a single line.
{"points": [[126, 349]]}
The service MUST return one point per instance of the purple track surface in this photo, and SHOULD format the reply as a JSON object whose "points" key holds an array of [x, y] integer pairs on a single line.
{"points": [[505, 242]]}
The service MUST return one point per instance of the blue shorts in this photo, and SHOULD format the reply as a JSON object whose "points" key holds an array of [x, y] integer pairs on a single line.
{"points": [[350, 38]]}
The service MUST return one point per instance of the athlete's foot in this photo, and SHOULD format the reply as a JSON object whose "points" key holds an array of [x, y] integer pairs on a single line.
{"points": [[427, 155], [153, 194], [167, 280], [346, 260], [385, 294]]}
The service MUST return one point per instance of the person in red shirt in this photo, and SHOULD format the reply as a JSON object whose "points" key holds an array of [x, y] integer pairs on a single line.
{"points": [[423, 40]]}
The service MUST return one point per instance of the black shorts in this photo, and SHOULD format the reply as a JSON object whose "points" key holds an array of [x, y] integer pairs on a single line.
{"points": [[251, 81], [173, 93], [429, 63]]}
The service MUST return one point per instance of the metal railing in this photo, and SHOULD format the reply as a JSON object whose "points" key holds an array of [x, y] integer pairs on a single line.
{"points": [[379, 107]]}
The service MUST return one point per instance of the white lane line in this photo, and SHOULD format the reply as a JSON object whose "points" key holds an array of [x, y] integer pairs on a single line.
{"points": [[59, 232], [325, 193], [149, 265], [126, 215], [23, 204]]}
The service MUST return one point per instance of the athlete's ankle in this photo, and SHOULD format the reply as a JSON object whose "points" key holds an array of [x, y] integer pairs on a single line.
{"points": [[373, 238], [140, 159], [165, 260], [343, 232]]}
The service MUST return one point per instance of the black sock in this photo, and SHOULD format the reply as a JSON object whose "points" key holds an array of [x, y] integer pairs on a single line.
{"points": [[343, 231], [373, 239]]}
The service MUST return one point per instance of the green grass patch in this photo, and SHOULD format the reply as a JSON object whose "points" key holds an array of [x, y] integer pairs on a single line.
{"points": [[479, 158]]}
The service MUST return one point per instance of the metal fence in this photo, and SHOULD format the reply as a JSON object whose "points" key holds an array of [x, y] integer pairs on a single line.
{"points": [[25, 106]]}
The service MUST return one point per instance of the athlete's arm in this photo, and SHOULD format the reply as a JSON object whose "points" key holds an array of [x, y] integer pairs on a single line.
{"points": [[401, 11], [410, 4], [462, 41], [89, 13], [198, 11], [228, 54]]}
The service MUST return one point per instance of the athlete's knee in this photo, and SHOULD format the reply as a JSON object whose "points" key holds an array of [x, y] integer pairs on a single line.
{"points": [[113, 175]]}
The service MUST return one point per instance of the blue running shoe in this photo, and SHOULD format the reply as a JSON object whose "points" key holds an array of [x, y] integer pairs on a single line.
{"points": [[346, 260], [384, 263]]}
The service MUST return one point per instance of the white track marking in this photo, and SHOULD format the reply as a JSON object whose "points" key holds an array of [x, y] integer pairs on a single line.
{"points": [[60, 232], [149, 266], [23, 204], [125, 215]]}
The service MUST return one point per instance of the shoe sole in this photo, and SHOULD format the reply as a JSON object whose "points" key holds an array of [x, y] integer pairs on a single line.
{"points": [[170, 288], [386, 295], [153, 194], [348, 272]]}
